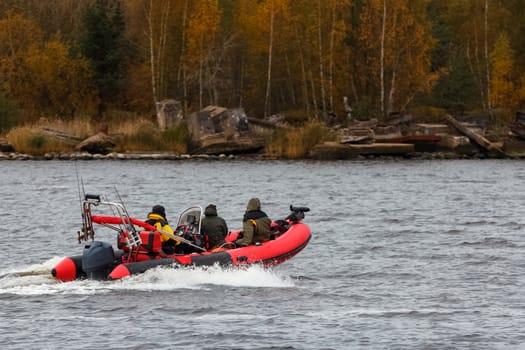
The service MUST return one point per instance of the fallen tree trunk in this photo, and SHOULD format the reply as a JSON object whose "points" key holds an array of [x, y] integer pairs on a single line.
{"points": [[61, 135], [474, 137]]}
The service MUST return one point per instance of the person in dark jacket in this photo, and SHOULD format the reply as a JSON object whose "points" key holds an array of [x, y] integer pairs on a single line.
{"points": [[213, 227], [256, 225], [157, 218]]}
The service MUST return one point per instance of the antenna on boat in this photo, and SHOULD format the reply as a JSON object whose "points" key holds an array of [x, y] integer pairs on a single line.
{"points": [[82, 195], [124, 209], [121, 201], [134, 239], [78, 186]]}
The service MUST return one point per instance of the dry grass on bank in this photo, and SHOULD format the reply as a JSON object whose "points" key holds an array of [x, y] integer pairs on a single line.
{"points": [[130, 135], [27, 140], [142, 135], [145, 136], [296, 143]]}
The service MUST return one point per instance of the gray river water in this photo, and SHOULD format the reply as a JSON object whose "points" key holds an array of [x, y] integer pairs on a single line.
{"points": [[404, 255]]}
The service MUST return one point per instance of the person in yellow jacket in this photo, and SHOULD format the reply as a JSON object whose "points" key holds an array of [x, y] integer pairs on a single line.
{"points": [[157, 218]]}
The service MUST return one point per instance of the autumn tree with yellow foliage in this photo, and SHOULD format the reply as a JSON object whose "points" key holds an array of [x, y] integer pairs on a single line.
{"points": [[502, 84], [395, 42], [203, 49], [300, 57], [40, 75]]}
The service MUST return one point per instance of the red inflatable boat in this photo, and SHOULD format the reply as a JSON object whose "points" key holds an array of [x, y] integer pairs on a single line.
{"points": [[139, 245]]}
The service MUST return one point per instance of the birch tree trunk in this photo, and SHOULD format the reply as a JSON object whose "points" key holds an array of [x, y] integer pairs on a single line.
{"points": [[382, 61], [163, 34], [201, 87], [181, 76], [314, 96], [157, 38], [395, 54], [291, 88], [487, 68], [152, 58], [303, 72], [321, 68], [269, 72], [392, 91], [475, 64], [479, 74], [241, 82], [331, 63]]}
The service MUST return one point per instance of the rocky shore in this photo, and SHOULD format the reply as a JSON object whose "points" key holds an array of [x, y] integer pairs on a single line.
{"points": [[321, 152], [399, 138], [111, 156]]}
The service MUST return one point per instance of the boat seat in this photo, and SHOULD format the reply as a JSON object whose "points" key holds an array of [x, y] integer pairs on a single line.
{"points": [[151, 242]]}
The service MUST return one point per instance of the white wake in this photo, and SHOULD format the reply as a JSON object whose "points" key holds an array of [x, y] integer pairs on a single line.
{"points": [[37, 279]]}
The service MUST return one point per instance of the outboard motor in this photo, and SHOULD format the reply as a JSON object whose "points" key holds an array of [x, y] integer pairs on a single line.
{"points": [[297, 213], [98, 260]]}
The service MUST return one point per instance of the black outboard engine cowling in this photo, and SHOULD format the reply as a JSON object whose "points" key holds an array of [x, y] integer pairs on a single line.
{"points": [[98, 260], [297, 213]]}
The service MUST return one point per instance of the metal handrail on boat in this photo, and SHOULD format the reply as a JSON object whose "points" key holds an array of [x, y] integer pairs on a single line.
{"points": [[133, 239]]}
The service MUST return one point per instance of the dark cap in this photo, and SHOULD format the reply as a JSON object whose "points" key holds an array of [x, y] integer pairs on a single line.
{"points": [[159, 209]]}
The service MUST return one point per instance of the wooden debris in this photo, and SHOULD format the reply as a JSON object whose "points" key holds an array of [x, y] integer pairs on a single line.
{"points": [[100, 143], [336, 150], [67, 137], [429, 129], [385, 133], [216, 145], [356, 135], [474, 137], [219, 130], [267, 124], [398, 118], [371, 123], [453, 141]]}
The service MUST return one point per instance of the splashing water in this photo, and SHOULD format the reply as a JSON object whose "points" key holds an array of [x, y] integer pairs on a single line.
{"points": [[200, 277], [36, 279]]}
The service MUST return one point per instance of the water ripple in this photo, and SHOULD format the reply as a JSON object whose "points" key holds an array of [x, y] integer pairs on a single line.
{"points": [[404, 255]]}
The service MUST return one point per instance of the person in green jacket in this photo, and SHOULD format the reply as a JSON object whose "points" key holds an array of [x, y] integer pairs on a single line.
{"points": [[213, 228], [256, 225]]}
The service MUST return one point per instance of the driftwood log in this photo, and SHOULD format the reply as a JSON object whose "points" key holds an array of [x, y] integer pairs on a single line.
{"points": [[64, 136], [474, 137], [100, 143], [356, 135]]}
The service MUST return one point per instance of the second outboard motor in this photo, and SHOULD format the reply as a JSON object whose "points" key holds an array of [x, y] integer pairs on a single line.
{"points": [[297, 213], [98, 260]]}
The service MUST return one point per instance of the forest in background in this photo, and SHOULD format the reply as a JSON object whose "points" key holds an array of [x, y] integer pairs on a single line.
{"points": [[67, 59]]}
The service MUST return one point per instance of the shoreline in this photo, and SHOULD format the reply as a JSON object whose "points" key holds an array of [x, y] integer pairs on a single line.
{"points": [[109, 156], [6, 156]]}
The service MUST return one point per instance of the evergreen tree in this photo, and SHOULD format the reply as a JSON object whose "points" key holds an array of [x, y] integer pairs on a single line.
{"points": [[457, 89], [102, 44]]}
